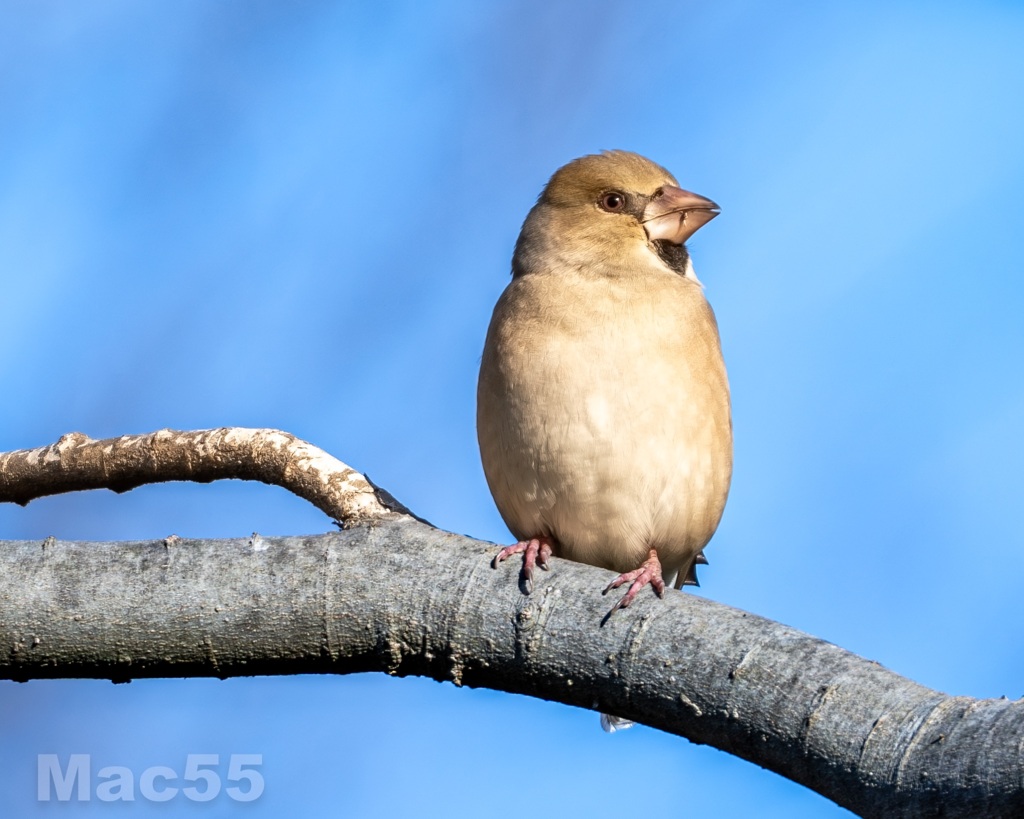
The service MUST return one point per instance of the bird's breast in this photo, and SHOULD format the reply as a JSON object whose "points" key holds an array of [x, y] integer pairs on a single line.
{"points": [[603, 416]]}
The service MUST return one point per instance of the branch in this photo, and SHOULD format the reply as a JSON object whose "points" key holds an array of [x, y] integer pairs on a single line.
{"points": [[78, 462], [396, 595]]}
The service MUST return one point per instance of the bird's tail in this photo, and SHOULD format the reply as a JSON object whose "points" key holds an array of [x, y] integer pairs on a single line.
{"points": [[612, 724], [689, 576]]}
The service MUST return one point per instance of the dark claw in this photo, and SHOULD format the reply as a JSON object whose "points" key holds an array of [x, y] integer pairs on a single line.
{"points": [[611, 611]]}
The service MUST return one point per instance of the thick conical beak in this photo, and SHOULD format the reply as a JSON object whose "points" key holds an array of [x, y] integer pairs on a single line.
{"points": [[675, 215]]}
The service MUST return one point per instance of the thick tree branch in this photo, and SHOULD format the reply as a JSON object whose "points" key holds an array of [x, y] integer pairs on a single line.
{"points": [[396, 595]]}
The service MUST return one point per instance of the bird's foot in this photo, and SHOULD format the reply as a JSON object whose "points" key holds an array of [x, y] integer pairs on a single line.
{"points": [[648, 573], [536, 552]]}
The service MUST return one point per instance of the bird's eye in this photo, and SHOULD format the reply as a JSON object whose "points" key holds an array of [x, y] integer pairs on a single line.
{"points": [[613, 201]]}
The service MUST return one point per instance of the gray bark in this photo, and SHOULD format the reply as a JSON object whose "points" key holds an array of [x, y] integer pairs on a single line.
{"points": [[401, 597]]}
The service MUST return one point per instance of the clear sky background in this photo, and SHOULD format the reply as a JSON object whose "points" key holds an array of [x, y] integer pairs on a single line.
{"points": [[299, 215]]}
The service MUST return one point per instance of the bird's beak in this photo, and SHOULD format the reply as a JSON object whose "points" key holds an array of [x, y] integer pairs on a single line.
{"points": [[675, 215]]}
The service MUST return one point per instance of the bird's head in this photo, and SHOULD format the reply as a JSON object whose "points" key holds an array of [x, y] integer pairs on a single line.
{"points": [[611, 211]]}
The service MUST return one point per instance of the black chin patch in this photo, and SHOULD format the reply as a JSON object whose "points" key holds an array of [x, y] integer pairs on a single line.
{"points": [[675, 256]]}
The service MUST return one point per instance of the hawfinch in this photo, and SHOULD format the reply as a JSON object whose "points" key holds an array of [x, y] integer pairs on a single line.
{"points": [[603, 405]]}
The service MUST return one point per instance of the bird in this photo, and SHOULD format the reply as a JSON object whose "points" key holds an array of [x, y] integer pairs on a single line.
{"points": [[603, 409]]}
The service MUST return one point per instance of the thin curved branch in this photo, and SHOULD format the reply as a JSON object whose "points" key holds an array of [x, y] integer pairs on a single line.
{"points": [[394, 594], [78, 462]]}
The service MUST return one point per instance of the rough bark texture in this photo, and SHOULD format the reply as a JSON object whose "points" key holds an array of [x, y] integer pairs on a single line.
{"points": [[396, 595], [77, 462], [404, 598]]}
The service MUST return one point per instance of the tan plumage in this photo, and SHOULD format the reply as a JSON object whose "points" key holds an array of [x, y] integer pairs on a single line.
{"points": [[603, 405]]}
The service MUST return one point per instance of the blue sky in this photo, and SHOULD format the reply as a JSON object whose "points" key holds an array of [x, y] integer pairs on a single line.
{"points": [[299, 215]]}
